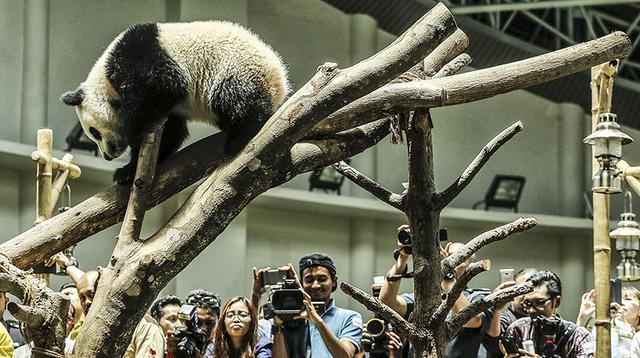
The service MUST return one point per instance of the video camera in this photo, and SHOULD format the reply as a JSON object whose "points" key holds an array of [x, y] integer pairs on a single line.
{"points": [[286, 299], [190, 334], [377, 327], [547, 329]]}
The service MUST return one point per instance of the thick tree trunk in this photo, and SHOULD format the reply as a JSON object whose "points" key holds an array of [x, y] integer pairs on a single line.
{"points": [[424, 220]]}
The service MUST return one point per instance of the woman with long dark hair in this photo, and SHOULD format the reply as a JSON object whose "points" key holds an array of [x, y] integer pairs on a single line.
{"points": [[236, 332]]}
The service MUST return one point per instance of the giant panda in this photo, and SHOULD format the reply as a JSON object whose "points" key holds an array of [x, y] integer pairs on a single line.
{"points": [[215, 72]]}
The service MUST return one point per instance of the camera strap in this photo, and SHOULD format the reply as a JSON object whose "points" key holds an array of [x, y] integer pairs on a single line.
{"points": [[567, 333], [397, 277]]}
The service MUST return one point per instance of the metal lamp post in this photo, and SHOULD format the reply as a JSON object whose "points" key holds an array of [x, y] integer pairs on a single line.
{"points": [[627, 236], [607, 141]]}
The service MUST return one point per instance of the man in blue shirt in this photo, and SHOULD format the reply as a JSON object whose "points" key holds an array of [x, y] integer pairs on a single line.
{"points": [[328, 331]]}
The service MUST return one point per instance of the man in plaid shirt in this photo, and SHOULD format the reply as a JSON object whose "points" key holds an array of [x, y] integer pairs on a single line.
{"points": [[544, 333]]}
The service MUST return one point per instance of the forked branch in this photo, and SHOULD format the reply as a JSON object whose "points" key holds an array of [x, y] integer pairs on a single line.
{"points": [[499, 233], [446, 197], [43, 311], [469, 273], [445, 52]]}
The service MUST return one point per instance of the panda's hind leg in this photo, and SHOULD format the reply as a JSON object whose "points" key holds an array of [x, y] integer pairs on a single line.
{"points": [[242, 107], [174, 134]]}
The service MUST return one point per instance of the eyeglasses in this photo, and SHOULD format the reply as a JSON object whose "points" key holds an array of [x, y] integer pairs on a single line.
{"points": [[240, 314], [537, 304]]}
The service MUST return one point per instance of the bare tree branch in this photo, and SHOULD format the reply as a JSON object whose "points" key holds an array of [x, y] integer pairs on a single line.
{"points": [[312, 154], [458, 287], [446, 51], [145, 172], [26, 314], [471, 247], [43, 311], [446, 197], [107, 207], [331, 88], [454, 66], [12, 284], [465, 87], [369, 185], [454, 323], [375, 305]]}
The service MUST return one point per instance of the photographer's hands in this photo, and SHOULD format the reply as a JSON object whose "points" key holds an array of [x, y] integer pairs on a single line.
{"points": [[61, 259], [309, 313], [258, 288], [172, 341], [587, 308], [394, 343]]}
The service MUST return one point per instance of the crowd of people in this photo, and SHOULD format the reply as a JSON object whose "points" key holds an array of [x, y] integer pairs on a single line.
{"points": [[300, 318]]}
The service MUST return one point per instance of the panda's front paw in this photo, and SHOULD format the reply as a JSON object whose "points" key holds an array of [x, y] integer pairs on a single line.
{"points": [[124, 175]]}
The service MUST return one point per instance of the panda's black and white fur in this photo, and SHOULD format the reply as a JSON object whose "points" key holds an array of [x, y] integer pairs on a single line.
{"points": [[214, 72]]}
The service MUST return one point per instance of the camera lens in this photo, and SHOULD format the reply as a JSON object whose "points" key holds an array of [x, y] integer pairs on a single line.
{"points": [[404, 237], [375, 327]]}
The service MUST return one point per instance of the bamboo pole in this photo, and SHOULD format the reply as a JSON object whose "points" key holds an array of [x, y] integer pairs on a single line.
{"points": [[632, 171], [61, 179], [58, 164], [601, 93], [630, 179], [47, 190], [43, 175]]}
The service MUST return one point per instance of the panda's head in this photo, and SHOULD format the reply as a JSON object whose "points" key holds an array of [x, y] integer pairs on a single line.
{"points": [[97, 105]]}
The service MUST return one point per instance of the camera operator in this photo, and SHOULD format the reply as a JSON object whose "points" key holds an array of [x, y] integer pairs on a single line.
{"points": [[467, 342], [544, 333], [165, 311], [326, 330], [208, 311]]}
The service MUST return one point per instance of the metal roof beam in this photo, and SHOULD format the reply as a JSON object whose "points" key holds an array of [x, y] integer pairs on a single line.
{"points": [[476, 9], [549, 28]]}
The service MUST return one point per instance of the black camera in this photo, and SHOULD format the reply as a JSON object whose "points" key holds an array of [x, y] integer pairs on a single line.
{"points": [[510, 347], [547, 329], [286, 300], [377, 329], [190, 334], [405, 237]]}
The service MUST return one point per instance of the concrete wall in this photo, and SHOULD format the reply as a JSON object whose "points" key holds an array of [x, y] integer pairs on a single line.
{"points": [[48, 47]]}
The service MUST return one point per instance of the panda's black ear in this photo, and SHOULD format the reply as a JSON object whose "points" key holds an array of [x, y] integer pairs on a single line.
{"points": [[73, 98]]}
